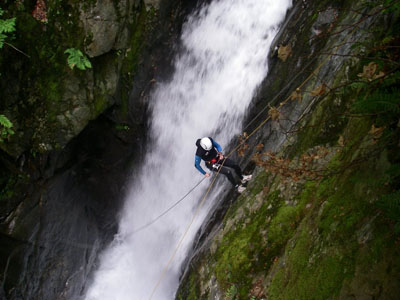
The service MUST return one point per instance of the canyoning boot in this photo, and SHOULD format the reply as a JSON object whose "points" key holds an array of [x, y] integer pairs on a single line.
{"points": [[240, 188], [246, 178]]}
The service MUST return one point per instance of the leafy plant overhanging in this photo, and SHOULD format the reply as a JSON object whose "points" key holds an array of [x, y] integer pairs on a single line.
{"points": [[5, 128], [78, 59], [6, 26]]}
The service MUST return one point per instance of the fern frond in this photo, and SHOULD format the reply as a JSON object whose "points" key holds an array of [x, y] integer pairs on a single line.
{"points": [[379, 102], [5, 122], [7, 25], [78, 59], [2, 38], [5, 128], [390, 203], [394, 172]]}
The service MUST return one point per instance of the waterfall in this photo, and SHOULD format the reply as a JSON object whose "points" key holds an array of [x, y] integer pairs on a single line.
{"points": [[223, 60]]}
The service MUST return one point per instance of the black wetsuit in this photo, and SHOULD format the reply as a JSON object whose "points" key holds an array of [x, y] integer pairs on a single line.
{"points": [[213, 163]]}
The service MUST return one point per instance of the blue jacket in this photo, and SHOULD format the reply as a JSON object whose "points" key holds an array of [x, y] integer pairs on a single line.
{"points": [[197, 158]]}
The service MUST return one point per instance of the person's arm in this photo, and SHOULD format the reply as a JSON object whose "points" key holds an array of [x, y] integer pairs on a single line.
{"points": [[197, 161], [216, 145], [219, 149]]}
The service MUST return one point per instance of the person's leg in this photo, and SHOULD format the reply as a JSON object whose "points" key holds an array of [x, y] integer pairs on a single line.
{"points": [[228, 173], [231, 164]]}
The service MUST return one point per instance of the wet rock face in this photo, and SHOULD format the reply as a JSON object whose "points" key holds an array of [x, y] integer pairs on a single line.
{"points": [[73, 216], [61, 213], [103, 24], [324, 20], [49, 103], [152, 3], [48, 111], [106, 25]]}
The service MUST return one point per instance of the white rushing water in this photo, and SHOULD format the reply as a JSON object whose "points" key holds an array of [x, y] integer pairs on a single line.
{"points": [[224, 60]]}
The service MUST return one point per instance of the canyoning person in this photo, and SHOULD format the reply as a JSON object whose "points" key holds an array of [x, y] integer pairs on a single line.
{"points": [[211, 152]]}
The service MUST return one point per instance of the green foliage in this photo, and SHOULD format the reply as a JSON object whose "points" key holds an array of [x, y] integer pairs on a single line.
{"points": [[5, 128], [78, 59], [122, 127], [231, 292], [7, 186], [282, 226], [393, 6], [376, 90], [252, 246], [345, 207], [308, 274], [394, 173], [6, 26], [357, 85], [383, 103], [390, 203]]}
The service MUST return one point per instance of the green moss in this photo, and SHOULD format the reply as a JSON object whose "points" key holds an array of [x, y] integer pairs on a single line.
{"points": [[7, 184], [324, 126], [233, 264], [346, 203], [194, 290], [190, 290], [282, 226], [308, 273], [134, 55], [345, 199], [100, 105], [37, 102], [308, 193], [243, 249], [320, 282], [251, 247], [259, 183], [136, 42], [317, 267], [322, 260]]}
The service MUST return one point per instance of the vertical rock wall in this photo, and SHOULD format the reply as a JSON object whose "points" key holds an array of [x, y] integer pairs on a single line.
{"points": [[78, 133]]}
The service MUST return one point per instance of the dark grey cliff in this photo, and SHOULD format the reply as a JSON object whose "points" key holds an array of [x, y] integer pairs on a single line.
{"points": [[78, 134]]}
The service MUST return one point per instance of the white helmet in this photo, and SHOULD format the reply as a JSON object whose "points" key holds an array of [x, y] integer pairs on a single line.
{"points": [[206, 143]]}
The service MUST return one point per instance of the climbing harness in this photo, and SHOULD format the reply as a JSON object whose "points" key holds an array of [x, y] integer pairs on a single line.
{"points": [[214, 164]]}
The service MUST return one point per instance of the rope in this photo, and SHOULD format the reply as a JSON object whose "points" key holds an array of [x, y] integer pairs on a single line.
{"points": [[280, 92], [186, 231], [165, 212], [313, 73]]}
